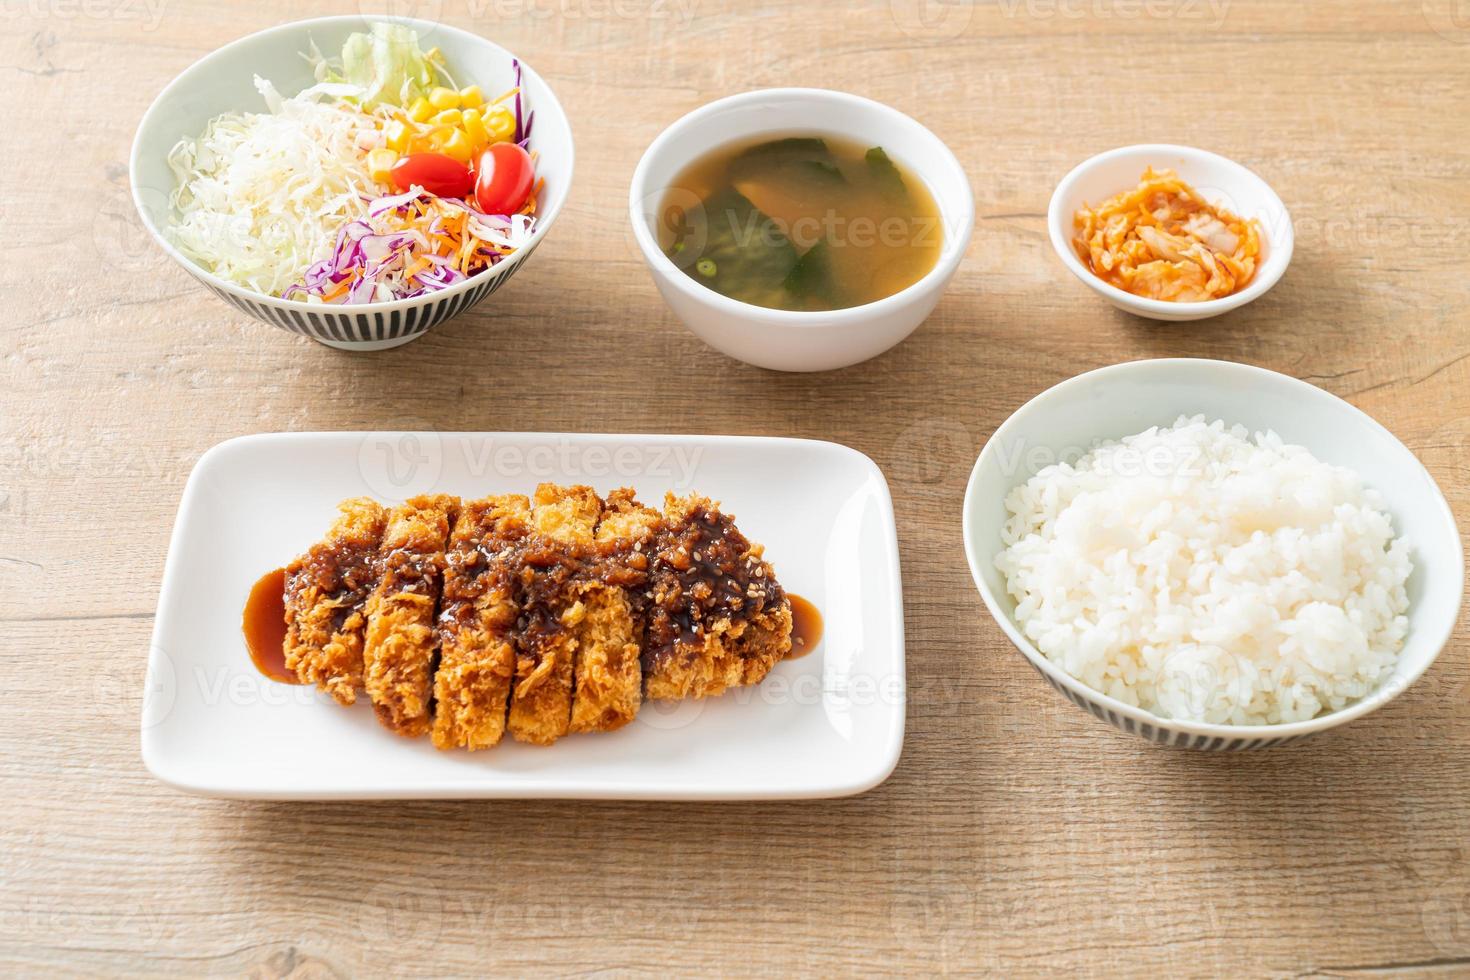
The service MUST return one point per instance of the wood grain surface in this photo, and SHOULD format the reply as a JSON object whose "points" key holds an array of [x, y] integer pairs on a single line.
{"points": [[1018, 836]]}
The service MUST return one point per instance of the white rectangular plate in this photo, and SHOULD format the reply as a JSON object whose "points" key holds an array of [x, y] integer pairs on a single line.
{"points": [[827, 724]]}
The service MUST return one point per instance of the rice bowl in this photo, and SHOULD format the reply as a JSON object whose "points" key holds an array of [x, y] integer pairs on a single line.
{"points": [[1202, 574], [1065, 421]]}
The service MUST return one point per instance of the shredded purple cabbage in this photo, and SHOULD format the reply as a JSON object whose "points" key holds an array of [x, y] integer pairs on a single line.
{"points": [[515, 64], [359, 249]]}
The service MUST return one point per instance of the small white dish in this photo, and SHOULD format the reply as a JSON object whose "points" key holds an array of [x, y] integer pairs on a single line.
{"points": [[1222, 182], [1117, 401], [827, 724], [784, 340], [222, 81]]}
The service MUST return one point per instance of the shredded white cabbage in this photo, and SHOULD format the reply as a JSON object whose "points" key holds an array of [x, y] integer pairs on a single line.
{"points": [[259, 197]]}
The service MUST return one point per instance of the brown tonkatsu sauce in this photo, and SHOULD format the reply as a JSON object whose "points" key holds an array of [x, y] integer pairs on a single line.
{"points": [[703, 571], [678, 579], [345, 574], [478, 571], [806, 626], [264, 625]]}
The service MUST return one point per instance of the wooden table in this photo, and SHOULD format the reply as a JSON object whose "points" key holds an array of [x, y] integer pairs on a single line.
{"points": [[1018, 836]]}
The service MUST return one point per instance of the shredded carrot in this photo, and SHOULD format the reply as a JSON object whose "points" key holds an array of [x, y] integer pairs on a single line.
{"points": [[337, 290]]}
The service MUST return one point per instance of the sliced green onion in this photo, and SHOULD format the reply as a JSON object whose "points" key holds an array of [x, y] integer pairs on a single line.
{"points": [[706, 267]]}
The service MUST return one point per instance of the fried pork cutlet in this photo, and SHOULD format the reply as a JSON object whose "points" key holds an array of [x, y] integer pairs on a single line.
{"points": [[543, 616], [477, 623], [609, 675], [398, 656], [717, 617], [563, 522], [325, 592]]}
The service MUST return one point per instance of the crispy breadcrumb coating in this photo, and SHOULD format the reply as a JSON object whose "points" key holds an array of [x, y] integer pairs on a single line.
{"points": [[538, 617], [563, 522], [718, 617], [477, 623], [398, 656], [609, 672], [325, 592]]}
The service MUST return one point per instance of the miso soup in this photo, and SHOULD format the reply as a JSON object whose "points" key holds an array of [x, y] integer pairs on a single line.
{"points": [[801, 223]]}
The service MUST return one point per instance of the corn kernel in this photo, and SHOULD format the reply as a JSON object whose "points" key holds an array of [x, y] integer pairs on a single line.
{"points": [[470, 97], [456, 145], [444, 98], [474, 129], [380, 163], [499, 123], [397, 135], [420, 110], [449, 117]]}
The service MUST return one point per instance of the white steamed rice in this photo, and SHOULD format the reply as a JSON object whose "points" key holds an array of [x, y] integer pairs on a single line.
{"points": [[1202, 574]]}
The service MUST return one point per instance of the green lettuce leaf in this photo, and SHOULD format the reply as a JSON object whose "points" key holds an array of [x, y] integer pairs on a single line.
{"points": [[387, 65]]}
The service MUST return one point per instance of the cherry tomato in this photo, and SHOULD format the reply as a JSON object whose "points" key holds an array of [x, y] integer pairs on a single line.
{"points": [[435, 173], [503, 180]]}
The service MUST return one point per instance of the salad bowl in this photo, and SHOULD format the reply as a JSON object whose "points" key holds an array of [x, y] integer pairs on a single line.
{"points": [[224, 81]]}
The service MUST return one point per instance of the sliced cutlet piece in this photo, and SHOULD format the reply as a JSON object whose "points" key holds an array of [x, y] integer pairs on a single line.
{"points": [[326, 590], [398, 657], [477, 623], [609, 676], [717, 617], [554, 557]]}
